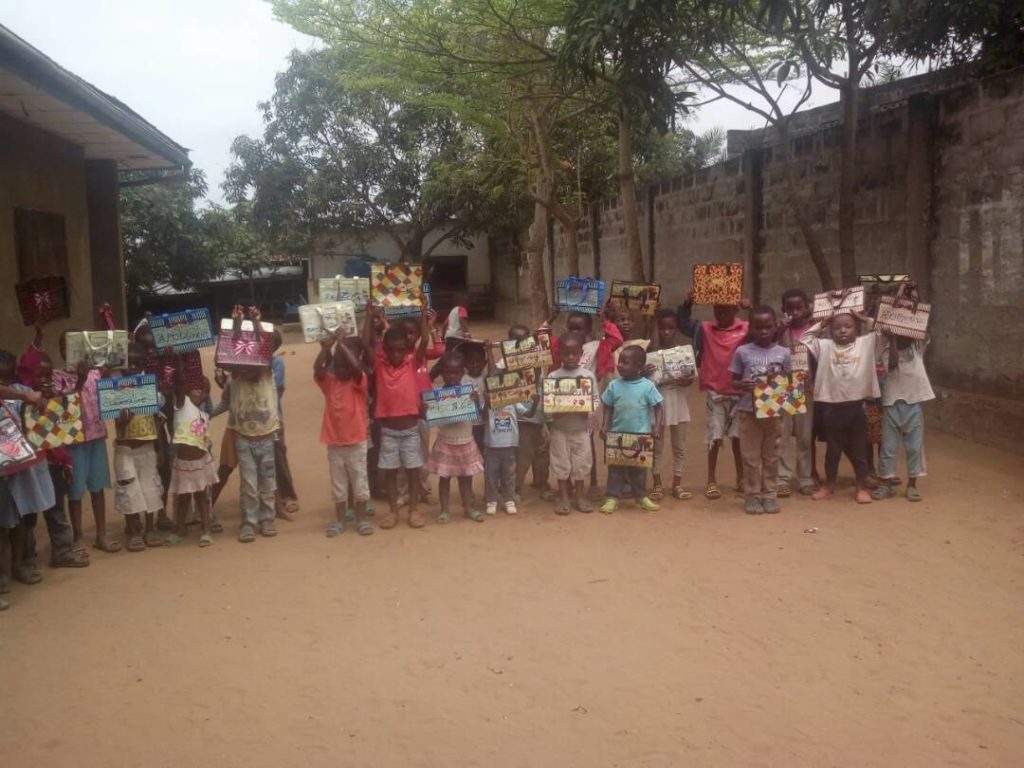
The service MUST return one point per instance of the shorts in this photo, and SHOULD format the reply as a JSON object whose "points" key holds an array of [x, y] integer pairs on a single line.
{"points": [[347, 464], [192, 476], [400, 448], [228, 451], [571, 455], [90, 470], [139, 489], [722, 421]]}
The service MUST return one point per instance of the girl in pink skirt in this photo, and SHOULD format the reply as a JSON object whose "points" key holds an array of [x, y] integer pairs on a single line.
{"points": [[193, 471], [455, 453]]}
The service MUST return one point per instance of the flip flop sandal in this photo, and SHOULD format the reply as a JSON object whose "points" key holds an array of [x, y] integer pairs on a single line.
{"points": [[562, 508], [136, 543], [712, 491], [335, 529], [205, 540], [364, 528], [913, 494], [247, 534], [883, 492], [784, 491], [680, 494], [70, 559], [153, 539], [81, 548], [442, 516], [657, 493], [475, 515], [110, 546], [390, 521]]}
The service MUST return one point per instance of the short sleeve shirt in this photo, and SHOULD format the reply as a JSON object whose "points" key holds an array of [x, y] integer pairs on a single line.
{"points": [[345, 414], [632, 401], [254, 406], [750, 361], [397, 390]]}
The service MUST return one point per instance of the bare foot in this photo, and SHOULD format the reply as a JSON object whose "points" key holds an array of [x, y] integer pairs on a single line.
{"points": [[821, 494], [863, 497]]}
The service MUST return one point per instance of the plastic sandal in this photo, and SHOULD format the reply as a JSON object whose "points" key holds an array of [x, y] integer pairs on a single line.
{"points": [[205, 540], [679, 493], [657, 493], [335, 529], [712, 491], [475, 515], [364, 528]]}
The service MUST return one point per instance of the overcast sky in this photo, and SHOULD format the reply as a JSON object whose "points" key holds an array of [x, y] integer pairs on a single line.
{"points": [[196, 69]]}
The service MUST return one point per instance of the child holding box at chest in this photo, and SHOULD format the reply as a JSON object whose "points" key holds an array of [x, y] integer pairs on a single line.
{"points": [[759, 438], [632, 404], [502, 445]]}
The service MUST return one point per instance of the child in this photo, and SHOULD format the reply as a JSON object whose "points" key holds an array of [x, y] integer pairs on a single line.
{"points": [[532, 451], [457, 325], [455, 453], [845, 377], [344, 429], [90, 468], [140, 492], [571, 449], [796, 447], [411, 326], [714, 343], [397, 408], [253, 415], [906, 387], [759, 438], [286, 502], [631, 404], [502, 444], [29, 491], [193, 470], [475, 355], [676, 409]]}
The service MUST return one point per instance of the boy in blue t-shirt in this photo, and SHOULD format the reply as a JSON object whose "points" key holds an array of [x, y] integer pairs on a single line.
{"points": [[632, 404]]}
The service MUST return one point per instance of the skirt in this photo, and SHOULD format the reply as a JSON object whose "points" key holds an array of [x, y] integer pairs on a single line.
{"points": [[193, 476], [454, 459]]}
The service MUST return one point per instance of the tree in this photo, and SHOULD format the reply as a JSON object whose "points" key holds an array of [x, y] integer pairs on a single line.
{"points": [[161, 235], [233, 243]]}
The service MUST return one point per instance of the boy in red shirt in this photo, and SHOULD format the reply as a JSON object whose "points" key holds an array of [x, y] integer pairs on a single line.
{"points": [[344, 428], [714, 342], [397, 408]]}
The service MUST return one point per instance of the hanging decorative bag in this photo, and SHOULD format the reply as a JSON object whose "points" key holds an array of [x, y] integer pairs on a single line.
{"points": [[580, 294], [449, 405], [397, 288], [16, 452], [643, 298], [43, 299], [338, 288], [321, 321], [568, 395], [99, 349], [779, 393], [844, 301], [54, 423], [903, 315], [241, 345], [184, 331], [629, 449], [718, 284], [137, 393]]}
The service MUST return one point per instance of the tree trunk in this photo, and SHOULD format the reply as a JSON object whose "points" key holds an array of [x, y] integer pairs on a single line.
{"points": [[535, 260], [627, 190], [848, 172], [798, 205]]}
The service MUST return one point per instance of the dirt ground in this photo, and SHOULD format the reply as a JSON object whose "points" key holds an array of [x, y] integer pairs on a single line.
{"points": [[892, 636]]}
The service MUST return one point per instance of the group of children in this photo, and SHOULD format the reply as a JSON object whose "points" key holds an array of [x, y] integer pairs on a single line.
{"points": [[376, 438]]}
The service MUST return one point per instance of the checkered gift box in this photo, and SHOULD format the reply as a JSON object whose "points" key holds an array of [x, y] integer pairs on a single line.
{"points": [[397, 287], [780, 393], [54, 423]]}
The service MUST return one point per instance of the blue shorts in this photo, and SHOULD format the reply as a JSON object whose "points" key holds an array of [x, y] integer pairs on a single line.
{"points": [[90, 468]]}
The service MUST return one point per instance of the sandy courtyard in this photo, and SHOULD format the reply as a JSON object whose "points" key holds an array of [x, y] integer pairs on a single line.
{"points": [[695, 636]]}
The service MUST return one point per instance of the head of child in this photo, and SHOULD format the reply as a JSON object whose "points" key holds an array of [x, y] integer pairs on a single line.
{"points": [[411, 327], [44, 376], [668, 327], [763, 325], [453, 368], [844, 329], [475, 358], [144, 335], [632, 360], [8, 365], [343, 370], [136, 358], [518, 332], [277, 341], [796, 306], [581, 323], [396, 346], [725, 315], [570, 348]]}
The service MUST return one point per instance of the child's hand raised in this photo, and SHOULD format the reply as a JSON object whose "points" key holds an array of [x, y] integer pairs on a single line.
{"points": [[238, 312], [255, 315], [650, 369]]}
